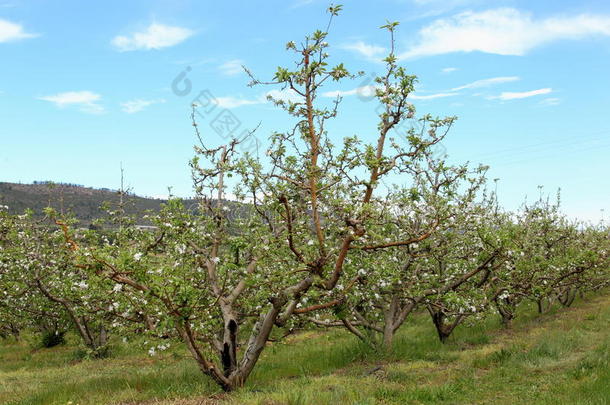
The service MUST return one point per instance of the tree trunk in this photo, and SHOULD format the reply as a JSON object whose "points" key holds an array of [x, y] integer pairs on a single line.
{"points": [[103, 336], [388, 336], [150, 325], [81, 327], [92, 340], [16, 332], [229, 347], [79, 321], [543, 305], [443, 329], [258, 339], [234, 374], [507, 312], [566, 297], [389, 327], [10, 330], [507, 320]]}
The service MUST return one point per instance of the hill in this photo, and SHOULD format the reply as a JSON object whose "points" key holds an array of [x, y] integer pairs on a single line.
{"points": [[82, 202]]}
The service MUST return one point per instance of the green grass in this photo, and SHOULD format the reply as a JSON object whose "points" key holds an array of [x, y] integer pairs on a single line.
{"points": [[561, 357]]}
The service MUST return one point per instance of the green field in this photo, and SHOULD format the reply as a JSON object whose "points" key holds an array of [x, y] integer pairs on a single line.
{"points": [[561, 357]]}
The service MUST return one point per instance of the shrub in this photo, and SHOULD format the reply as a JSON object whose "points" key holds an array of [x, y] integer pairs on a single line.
{"points": [[52, 338]]}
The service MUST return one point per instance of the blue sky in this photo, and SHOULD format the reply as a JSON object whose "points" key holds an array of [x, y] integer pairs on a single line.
{"points": [[87, 85]]}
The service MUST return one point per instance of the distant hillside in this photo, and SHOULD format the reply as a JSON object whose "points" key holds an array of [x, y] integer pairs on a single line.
{"points": [[83, 202]]}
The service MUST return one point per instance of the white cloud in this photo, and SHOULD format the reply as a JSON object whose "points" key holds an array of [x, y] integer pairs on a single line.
{"points": [[369, 91], [156, 36], [524, 94], [364, 91], [449, 70], [301, 3], [10, 31], [453, 3], [234, 102], [372, 52], [487, 82], [432, 96], [433, 8], [551, 101], [231, 102], [232, 67], [503, 31], [285, 95], [137, 105], [86, 101]]}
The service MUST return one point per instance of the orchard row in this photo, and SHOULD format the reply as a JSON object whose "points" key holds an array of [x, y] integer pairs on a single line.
{"points": [[321, 230]]}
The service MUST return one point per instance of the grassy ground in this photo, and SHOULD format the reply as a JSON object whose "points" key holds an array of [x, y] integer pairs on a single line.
{"points": [[558, 358]]}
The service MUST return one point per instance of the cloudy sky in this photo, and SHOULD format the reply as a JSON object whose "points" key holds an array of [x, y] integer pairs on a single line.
{"points": [[85, 86]]}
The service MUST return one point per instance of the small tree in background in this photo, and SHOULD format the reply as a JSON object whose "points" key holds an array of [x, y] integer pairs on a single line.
{"points": [[40, 278]]}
